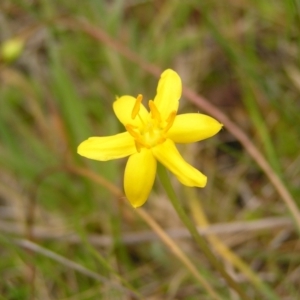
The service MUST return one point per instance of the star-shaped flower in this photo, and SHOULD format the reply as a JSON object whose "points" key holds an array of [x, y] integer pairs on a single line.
{"points": [[151, 137]]}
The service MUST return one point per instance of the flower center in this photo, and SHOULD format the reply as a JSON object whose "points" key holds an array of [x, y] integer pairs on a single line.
{"points": [[153, 129]]}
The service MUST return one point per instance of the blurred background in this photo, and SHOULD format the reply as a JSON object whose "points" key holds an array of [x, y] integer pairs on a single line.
{"points": [[62, 63]]}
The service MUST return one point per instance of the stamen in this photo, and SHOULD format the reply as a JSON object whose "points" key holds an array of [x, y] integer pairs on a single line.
{"points": [[161, 140], [137, 146], [155, 114], [139, 139], [151, 131], [170, 121], [137, 105], [131, 129]]}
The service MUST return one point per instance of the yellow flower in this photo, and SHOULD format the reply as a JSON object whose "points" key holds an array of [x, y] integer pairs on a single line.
{"points": [[151, 137]]}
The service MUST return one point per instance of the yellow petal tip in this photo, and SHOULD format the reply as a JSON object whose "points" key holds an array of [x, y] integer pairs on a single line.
{"points": [[136, 203]]}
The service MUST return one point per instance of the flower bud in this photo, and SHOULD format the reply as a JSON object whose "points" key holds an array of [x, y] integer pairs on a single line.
{"points": [[11, 49]]}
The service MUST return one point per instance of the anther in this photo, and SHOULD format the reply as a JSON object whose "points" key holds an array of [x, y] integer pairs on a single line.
{"points": [[170, 120], [131, 129], [137, 105], [137, 146], [155, 114]]}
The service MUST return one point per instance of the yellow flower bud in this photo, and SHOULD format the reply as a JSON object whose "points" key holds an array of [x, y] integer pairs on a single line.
{"points": [[11, 49]]}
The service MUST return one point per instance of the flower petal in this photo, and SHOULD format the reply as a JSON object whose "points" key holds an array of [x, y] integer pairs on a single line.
{"points": [[123, 107], [139, 177], [189, 128], [168, 155], [168, 93], [108, 147]]}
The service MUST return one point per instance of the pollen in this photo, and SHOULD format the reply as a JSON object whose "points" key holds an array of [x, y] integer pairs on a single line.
{"points": [[153, 128], [170, 121], [155, 114], [137, 105]]}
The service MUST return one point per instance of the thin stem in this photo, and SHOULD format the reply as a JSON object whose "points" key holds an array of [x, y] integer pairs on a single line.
{"points": [[164, 178], [73, 265], [223, 250], [33, 194], [178, 253], [172, 246]]}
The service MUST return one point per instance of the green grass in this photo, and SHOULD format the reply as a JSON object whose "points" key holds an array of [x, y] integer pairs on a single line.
{"points": [[243, 56]]}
